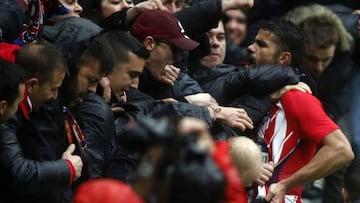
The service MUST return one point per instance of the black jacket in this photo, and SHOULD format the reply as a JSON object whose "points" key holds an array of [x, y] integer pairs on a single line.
{"points": [[184, 85], [31, 168], [126, 156], [196, 21], [95, 119], [71, 36], [226, 82], [246, 88], [333, 87]]}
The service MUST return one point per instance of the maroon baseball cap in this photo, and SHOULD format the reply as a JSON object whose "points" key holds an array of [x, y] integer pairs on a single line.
{"points": [[162, 25]]}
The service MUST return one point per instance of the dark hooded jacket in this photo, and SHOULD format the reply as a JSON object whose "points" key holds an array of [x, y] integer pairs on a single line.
{"points": [[11, 20], [226, 82], [126, 156], [184, 85], [96, 121], [70, 35], [247, 88]]}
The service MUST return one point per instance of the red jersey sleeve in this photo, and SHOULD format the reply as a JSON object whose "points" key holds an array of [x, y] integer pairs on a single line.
{"points": [[308, 113]]}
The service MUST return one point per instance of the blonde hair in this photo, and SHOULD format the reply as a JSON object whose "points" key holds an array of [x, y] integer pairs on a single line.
{"points": [[302, 13], [246, 157]]}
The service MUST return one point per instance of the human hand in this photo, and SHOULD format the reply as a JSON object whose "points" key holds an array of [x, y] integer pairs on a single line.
{"points": [[117, 109], [301, 86], [201, 99], [170, 75], [74, 159], [276, 193], [266, 172], [232, 117], [105, 84], [169, 100], [150, 5], [139, 8], [236, 4]]}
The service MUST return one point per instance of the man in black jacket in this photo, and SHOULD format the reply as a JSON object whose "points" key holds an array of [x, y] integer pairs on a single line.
{"points": [[131, 57], [89, 116], [36, 162]]}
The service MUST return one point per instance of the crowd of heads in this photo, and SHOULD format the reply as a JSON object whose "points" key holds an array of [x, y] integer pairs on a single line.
{"points": [[175, 153]]}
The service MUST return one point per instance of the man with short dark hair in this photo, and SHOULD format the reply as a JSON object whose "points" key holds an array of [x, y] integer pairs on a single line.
{"points": [[12, 85], [292, 131], [36, 162]]}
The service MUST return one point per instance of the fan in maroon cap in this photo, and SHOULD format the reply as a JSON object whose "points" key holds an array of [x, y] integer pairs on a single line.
{"points": [[163, 36], [162, 25]]}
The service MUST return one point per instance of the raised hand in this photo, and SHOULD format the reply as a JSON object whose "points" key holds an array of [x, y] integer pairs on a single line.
{"points": [[170, 75], [236, 4]]}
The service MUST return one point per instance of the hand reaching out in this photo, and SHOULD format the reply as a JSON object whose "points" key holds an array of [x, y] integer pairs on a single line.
{"points": [[301, 86], [236, 4], [232, 117]]}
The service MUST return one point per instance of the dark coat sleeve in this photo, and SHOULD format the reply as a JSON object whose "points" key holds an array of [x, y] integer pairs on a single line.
{"points": [[96, 121], [256, 107], [260, 81], [183, 110], [225, 84], [24, 175], [184, 85], [116, 20]]}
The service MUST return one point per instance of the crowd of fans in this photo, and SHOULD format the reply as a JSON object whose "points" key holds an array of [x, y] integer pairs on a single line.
{"points": [[179, 101]]}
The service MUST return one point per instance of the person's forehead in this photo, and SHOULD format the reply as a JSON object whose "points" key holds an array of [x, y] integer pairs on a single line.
{"points": [[235, 13], [320, 53], [218, 30], [56, 78], [92, 69], [265, 35]]}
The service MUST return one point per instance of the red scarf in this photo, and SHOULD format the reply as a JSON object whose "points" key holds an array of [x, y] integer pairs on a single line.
{"points": [[25, 105], [8, 51]]}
